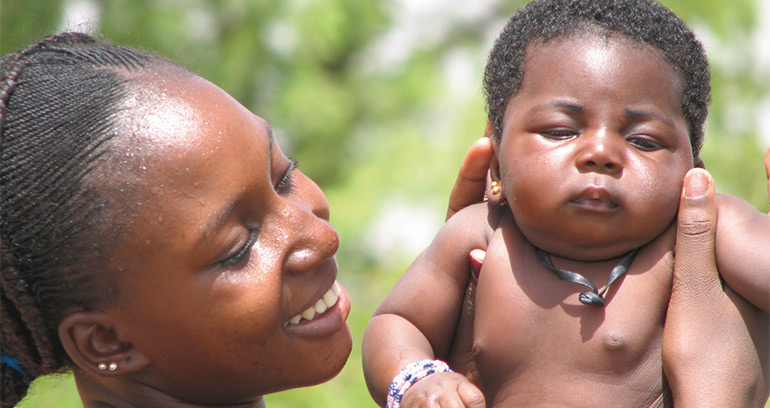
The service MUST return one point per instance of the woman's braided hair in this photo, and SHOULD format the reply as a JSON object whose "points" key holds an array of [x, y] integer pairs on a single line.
{"points": [[60, 101]]}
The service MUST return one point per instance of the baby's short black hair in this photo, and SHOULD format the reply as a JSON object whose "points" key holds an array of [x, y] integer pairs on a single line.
{"points": [[644, 21]]}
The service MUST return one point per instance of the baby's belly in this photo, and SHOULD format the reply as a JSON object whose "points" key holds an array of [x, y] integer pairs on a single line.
{"points": [[608, 370], [577, 392]]}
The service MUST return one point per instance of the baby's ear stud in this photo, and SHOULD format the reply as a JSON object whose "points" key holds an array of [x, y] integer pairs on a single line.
{"points": [[495, 187]]}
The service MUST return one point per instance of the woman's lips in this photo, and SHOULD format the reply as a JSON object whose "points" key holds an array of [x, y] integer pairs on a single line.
{"points": [[312, 323], [326, 301]]}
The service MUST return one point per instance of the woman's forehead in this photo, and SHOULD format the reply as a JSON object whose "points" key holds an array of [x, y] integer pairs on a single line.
{"points": [[183, 131]]}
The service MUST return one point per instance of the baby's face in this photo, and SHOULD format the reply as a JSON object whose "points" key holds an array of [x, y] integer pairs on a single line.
{"points": [[229, 242], [594, 147]]}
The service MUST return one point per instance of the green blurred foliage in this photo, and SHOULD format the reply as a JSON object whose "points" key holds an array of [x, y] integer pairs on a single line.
{"points": [[373, 130]]}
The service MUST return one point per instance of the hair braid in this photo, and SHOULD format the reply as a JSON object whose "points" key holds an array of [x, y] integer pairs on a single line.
{"points": [[60, 104]]}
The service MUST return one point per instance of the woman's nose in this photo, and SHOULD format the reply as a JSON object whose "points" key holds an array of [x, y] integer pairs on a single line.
{"points": [[312, 238], [600, 152]]}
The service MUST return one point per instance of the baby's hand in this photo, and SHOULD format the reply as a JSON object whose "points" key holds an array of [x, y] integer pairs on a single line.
{"points": [[445, 390]]}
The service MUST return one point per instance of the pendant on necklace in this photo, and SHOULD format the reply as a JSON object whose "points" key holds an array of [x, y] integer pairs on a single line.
{"points": [[589, 297]]}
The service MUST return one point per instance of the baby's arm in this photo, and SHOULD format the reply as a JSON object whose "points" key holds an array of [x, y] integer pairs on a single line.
{"points": [[418, 317], [743, 249]]}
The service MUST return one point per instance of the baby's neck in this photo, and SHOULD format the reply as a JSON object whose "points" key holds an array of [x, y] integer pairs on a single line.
{"points": [[593, 295]]}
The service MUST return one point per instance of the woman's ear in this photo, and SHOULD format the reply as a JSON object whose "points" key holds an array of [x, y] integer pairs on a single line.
{"points": [[93, 344]]}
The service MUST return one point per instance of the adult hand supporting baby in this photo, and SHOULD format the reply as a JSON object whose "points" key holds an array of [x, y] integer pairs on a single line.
{"points": [[472, 180], [469, 189], [715, 351]]}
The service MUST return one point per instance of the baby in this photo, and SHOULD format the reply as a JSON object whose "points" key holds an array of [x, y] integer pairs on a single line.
{"points": [[596, 110]]}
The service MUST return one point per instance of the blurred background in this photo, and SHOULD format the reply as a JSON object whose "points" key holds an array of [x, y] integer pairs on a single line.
{"points": [[378, 101]]}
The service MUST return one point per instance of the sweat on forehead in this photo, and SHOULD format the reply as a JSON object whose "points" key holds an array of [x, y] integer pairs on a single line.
{"points": [[643, 21]]}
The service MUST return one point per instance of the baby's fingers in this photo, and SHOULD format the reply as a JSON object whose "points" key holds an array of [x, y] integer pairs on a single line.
{"points": [[471, 395], [443, 390]]}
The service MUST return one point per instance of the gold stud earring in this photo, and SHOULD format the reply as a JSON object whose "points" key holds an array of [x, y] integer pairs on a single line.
{"points": [[113, 366], [495, 186], [102, 366]]}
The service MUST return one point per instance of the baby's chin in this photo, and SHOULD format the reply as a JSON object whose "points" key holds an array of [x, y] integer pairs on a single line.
{"points": [[585, 250], [595, 242]]}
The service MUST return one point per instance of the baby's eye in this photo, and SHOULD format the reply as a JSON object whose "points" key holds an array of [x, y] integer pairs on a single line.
{"points": [[242, 255], [645, 143], [285, 184], [559, 134]]}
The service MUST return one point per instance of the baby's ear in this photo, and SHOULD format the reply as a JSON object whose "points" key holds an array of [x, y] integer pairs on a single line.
{"points": [[494, 192], [494, 163], [698, 162], [93, 344]]}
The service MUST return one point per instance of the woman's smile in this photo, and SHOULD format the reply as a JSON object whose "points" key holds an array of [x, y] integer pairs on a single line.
{"points": [[325, 317]]}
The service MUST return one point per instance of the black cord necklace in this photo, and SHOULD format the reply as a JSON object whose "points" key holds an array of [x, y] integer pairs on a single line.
{"points": [[589, 297]]}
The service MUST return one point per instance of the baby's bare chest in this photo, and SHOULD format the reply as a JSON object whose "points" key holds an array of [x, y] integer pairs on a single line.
{"points": [[531, 331]]}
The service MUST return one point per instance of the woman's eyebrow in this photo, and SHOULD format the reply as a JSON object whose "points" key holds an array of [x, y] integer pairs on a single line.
{"points": [[216, 222]]}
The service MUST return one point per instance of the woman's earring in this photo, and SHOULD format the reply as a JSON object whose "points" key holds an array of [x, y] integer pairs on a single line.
{"points": [[495, 186], [112, 366]]}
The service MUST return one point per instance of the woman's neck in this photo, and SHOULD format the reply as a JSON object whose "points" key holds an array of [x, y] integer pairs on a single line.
{"points": [[100, 392]]}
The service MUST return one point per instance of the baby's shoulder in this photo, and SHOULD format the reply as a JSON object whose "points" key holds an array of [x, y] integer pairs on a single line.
{"points": [[477, 213], [477, 222], [735, 210]]}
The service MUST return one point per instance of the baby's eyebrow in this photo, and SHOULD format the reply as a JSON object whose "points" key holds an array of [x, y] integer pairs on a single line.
{"points": [[645, 114], [563, 106]]}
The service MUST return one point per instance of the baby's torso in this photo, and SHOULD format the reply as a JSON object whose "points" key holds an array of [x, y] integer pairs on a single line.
{"points": [[535, 344]]}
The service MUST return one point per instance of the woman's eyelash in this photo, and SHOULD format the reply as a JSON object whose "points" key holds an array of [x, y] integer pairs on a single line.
{"points": [[242, 253], [284, 184]]}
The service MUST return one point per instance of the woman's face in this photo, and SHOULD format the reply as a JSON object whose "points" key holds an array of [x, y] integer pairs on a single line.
{"points": [[227, 244]]}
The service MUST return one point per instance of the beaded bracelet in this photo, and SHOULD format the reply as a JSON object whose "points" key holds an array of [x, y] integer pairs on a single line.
{"points": [[409, 375]]}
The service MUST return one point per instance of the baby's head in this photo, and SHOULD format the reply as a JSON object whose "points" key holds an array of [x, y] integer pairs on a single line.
{"points": [[642, 21], [597, 110], [155, 239]]}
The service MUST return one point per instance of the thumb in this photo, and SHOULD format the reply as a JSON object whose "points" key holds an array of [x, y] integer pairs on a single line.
{"points": [[767, 171], [695, 263], [472, 179], [470, 395]]}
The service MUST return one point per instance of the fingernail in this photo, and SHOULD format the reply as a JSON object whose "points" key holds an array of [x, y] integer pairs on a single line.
{"points": [[476, 257], [696, 185]]}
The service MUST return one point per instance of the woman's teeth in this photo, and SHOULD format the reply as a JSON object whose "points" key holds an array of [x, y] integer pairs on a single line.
{"points": [[327, 300]]}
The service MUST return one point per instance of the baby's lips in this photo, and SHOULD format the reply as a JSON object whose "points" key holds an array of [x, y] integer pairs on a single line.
{"points": [[477, 258]]}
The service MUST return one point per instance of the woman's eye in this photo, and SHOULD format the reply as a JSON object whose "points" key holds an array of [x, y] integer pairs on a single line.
{"points": [[645, 144], [242, 255], [285, 184]]}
